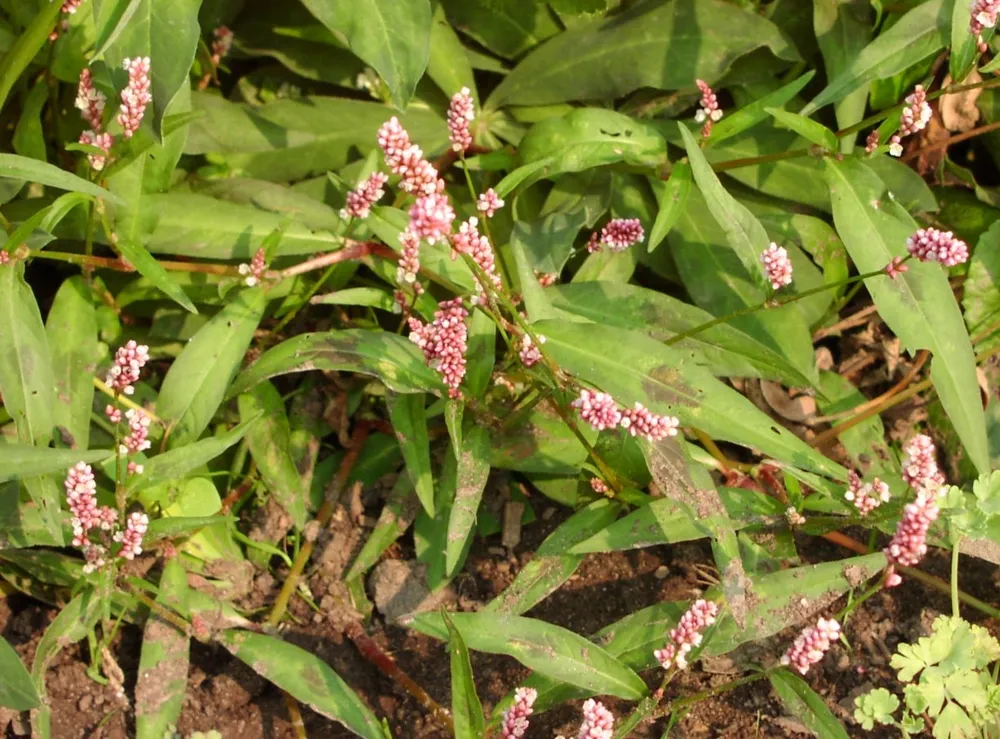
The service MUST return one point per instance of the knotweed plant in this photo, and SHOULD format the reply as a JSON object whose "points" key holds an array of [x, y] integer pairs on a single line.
{"points": [[322, 346]]}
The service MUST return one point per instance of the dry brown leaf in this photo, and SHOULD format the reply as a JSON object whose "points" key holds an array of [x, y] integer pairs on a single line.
{"points": [[959, 111], [797, 408]]}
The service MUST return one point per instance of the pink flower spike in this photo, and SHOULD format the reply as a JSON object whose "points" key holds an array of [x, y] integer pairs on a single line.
{"points": [[920, 467], [469, 241], [81, 495], [431, 217], [90, 101], [641, 422], [866, 496], [222, 43], [138, 426], [871, 143], [687, 634], [932, 245], [594, 243], [489, 203], [896, 267], [530, 354], [461, 112], [598, 721], [409, 261], [364, 196], [810, 646], [129, 360], [102, 141], [253, 272], [621, 233], [114, 414], [909, 544], [418, 176], [917, 114], [94, 555], [515, 718], [444, 342], [599, 486], [136, 96], [598, 409], [393, 140], [777, 265], [4, 257], [983, 15], [709, 112], [131, 538]]}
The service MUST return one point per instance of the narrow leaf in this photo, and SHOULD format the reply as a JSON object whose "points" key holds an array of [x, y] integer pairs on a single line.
{"points": [[19, 460], [148, 267], [750, 115], [804, 703], [473, 472], [805, 127], [408, 416], [466, 709], [672, 199], [22, 168], [16, 689]]}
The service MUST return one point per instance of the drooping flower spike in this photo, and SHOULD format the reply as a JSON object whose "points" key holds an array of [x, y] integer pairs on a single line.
{"points": [[514, 722], [777, 266], [461, 112], [135, 96], [444, 342], [687, 634], [364, 196], [810, 646]]}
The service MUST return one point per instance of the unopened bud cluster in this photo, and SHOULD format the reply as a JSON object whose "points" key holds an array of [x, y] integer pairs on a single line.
{"points": [[983, 15], [687, 635], [810, 646], [777, 266], [916, 115], [932, 245], [602, 412], [461, 112], [618, 235], [253, 272], [514, 722], [866, 496], [91, 102], [709, 112], [444, 342]]}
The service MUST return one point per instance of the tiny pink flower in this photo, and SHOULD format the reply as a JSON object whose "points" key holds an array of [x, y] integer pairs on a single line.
{"points": [[489, 203], [444, 342], [892, 578], [93, 555], [253, 272], [777, 265], [135, 469], [931, 245], [896, 267], [114, 414], [709, 112], [599, 486], [909, 544], [687, 634], [4, 257], [920, 467], [871, 143], [361, 199], [594, 244], [641, 422], [222, 43], [136, 96], [138, 427], [431, 217], [530, 354], [69, 7], [393, 140], [129, 359], [546, 279], [598, 409], [810, 646], [90, 101], [866, 496], [515, 718], [131, 539], [983, 15], [461, 112], [409, 261], [598, 721], [102, 141], [621, 233], [469, 241]]}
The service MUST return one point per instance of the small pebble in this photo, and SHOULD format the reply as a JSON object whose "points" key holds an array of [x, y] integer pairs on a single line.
{"points": [[85, 703], [661, 572]]}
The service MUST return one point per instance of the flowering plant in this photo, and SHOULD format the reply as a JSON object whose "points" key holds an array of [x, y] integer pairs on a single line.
{"points": [[618, 345]]}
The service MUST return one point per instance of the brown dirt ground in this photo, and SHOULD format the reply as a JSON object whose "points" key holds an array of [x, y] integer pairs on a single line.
{"points": [[226, 696]]}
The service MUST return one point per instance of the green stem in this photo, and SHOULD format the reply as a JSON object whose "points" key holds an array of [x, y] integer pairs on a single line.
{"points": [[854, 604], [954, 580], [26, 47], [768, 304]]}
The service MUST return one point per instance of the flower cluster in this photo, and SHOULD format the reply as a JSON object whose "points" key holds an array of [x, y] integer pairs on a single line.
{"points": [[598, 721], [135, 96], [709, 112], [489, 203], [469, 241], [618, 235], [68, 8], [810, 646], [81, 495], [530, 354], [601, 411], [461, 112], [409, 261], [131, 538], [909, 544], [687, 634], [777, 265], [896, 267], [916, 116], [931, 245], [129, 360], [984, 14], [431, 217], [222, 43], [599, 486], [793, 517], [920, 467], [253, 271], [515, 718], [360, 200], [138, 432], [102, 141], [871, 143], [90, 102], [546, 279], [444, 342], [418, 176], [4, 257], [866, 496]]}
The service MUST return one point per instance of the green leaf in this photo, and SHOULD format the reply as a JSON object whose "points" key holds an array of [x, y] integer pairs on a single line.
{"points": [[149, 268], [269, 441], [672, 199], [26, 46], [805, 127], [305, 677], [466, 709], [409, 421], [176, 463], [167, 32], [393, 36], [875, 706], [634, 368], [163, 661], [196, 383], [19, 461], [173, 526], [549, 650], [590, 137], [750, 115], [918, 306], [29, 137], [541, 443], [744, 233], [508, 28], [472, 473], [802, 702], [71, 328], [510, 181], [16, 689], [26, 379], [22, 168], [918, 34], [981, 291], [964, 45], [391, 358], [722, 349], [448, 64], [649, 46], [843, 28]]}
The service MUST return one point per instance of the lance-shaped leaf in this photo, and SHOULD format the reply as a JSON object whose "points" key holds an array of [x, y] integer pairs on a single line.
{"points": [[465, 705], [843, 28], [633, 368], [408, 416], [918, 305], [807, 128], [16, 689], [547, 649], [21, 460], [735, 123], [672, 198], [804, 703], [17, 167], [473, 470]]}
